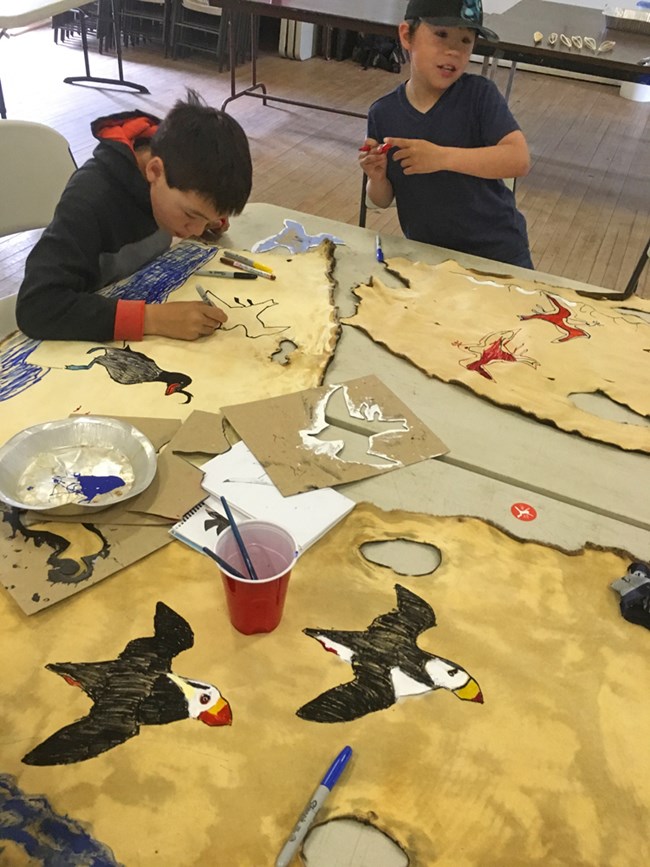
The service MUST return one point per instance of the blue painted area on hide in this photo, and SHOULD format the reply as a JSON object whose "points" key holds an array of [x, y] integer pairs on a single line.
{"points": [[16, 373], [157, 280], [29, 822]]}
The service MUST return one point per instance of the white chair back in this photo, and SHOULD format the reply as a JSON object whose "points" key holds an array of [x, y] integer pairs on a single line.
{"points": [[35, 165]]}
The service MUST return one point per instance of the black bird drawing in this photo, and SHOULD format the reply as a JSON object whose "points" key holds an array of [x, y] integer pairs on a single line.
{"points": [[131, 368], [387, 664], [138, 688]]}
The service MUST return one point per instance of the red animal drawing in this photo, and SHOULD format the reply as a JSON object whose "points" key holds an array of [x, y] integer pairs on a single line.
{"points": [[558, 317], [492, 348]]}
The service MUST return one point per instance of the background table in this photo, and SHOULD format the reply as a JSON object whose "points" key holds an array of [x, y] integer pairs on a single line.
{"points": [[515, 29]]}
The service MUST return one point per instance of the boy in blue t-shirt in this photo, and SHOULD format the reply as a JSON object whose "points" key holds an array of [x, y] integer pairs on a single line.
{"points": [[450, 139]]}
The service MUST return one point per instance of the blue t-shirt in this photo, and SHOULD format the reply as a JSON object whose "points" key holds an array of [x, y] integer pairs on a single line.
{"points": [[449, 209]]}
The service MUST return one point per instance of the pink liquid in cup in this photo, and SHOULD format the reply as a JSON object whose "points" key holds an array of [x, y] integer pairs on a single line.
{"points": [[256, 606]]}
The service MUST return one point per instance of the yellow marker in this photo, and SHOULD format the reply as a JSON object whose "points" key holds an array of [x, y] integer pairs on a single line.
{"points": [[260, 267]]}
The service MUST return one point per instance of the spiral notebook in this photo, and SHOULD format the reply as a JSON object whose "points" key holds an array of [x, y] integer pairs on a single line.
{"points": [[200, 526], [241, 479]]}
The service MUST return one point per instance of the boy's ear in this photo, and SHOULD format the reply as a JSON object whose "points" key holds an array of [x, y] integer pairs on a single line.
{"points": [[154, 170], [403, 33]]}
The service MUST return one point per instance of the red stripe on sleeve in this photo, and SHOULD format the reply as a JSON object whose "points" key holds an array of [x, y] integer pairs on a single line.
{"points": [[129, 320]]}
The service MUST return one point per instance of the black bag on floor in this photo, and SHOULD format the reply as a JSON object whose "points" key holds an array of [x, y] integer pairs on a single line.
{"points": [[378, 52]]}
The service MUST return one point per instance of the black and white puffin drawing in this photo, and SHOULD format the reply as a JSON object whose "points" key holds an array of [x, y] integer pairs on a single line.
{"points": [[127, 367], [138, 688], [387, 663]]}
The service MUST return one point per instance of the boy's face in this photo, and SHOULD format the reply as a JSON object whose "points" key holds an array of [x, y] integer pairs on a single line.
{"points": [[182, 213], [439, 55]]}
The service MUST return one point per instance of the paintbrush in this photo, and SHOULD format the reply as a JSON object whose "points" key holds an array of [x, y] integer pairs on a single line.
{"points": [[239, 540]]}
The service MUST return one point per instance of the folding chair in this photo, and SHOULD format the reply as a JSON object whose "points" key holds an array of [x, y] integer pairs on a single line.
{"points": [[145, 19], [197, 26], [35, 165]]}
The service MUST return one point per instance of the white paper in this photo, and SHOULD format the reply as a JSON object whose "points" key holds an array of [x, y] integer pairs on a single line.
{"points": [[238, 476]]}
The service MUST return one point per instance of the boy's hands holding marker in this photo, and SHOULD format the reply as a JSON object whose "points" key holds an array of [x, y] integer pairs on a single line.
{"points": [[183, 320], [213, 233], [373, 159], [418, 157]]}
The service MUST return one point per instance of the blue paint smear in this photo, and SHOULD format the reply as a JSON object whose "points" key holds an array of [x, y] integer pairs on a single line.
{"points": [[157, 280], [51, 840], [92, 486], [16, 373]]}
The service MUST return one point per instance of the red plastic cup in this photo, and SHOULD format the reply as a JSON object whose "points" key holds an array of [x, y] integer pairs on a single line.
{"points": [[256, 606]]}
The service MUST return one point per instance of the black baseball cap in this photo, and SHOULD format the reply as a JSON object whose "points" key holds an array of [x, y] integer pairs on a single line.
{"points": [[451, 13]]}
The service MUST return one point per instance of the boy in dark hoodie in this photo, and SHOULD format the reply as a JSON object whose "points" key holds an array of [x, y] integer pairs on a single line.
{"points": [[146, 182]]}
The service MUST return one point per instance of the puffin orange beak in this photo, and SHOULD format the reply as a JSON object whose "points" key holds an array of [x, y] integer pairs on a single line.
{"points": [[218, 715]]}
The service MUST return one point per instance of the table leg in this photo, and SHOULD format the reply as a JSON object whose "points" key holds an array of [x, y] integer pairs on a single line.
{"points": [[258, 85], [511, 78], [93, 79]]}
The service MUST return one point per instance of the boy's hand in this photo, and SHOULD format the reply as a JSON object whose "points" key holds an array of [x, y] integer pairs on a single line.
{"points": [[183, 320], [418, 157], [213, 233], [372, 161]]}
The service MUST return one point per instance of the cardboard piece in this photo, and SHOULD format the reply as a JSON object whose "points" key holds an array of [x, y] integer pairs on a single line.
{"points": [[334, 434], [44, 563], [522, 344]]}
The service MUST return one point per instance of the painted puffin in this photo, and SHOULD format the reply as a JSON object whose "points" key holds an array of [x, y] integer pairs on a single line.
{"points": [[387, 664], [138, 688], [131, 368]]}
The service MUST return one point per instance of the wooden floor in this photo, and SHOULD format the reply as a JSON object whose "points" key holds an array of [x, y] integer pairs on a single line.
{"points": [[587, 198]]}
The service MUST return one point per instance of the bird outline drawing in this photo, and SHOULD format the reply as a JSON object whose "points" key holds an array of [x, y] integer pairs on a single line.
{"points": [[363, 423], [138, 688], [127, 367], [248, 315], [387, 663]]}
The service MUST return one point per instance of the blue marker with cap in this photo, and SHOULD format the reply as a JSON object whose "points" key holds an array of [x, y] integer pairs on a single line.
{"points": [[379, 253], [314, 804]]}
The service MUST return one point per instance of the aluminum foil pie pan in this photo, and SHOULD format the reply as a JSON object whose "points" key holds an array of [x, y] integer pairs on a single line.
{"points": [[75, 465]]}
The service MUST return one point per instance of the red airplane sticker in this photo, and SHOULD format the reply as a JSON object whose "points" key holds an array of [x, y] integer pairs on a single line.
{"points": [[523, 511]]}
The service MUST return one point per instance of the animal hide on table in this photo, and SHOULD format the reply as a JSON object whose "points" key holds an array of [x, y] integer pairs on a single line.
{"points": [[521, 344], [549, 769], [157, 376]]}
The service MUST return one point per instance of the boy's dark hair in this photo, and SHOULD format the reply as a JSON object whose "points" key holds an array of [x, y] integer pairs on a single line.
{"points": [[205, 151]]}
